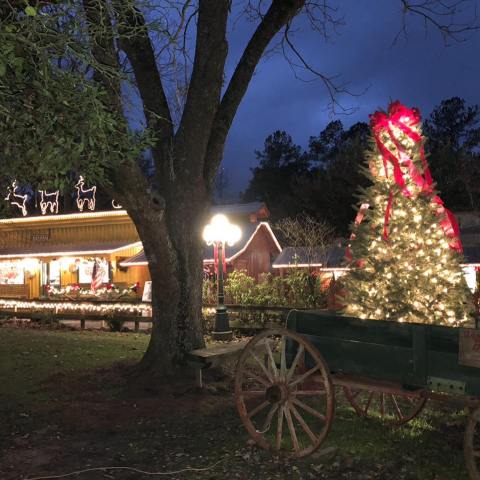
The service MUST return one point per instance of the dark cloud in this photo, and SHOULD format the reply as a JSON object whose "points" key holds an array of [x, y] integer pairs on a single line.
{"points": [[418, 70]]}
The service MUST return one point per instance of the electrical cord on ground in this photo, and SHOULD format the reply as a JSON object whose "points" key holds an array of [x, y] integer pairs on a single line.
{"points": [[131, 469]]}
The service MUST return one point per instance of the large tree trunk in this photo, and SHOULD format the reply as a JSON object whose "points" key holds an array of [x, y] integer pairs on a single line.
{"points": [[173, 245]]}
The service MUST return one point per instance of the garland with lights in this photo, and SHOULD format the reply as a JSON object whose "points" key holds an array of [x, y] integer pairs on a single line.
{"points": [[405, 252], [140, 309], [107, 292]]}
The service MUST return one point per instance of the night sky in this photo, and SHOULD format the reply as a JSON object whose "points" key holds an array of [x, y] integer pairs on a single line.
{"points": [[419, 71]]}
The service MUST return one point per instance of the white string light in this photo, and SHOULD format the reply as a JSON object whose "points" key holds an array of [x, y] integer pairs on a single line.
{"points": [[79, 307]]}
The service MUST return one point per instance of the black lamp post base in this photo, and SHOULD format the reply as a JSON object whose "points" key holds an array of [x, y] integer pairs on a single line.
{"points": [[223, 336], [222, 328]]}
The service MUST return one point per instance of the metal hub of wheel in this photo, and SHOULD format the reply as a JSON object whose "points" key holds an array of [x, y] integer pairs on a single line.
{"points": [[471, 446], [284, 393], [276, 393]]}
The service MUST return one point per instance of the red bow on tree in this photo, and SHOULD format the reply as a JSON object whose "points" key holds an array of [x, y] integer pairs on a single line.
{"points": [[404, 119]]}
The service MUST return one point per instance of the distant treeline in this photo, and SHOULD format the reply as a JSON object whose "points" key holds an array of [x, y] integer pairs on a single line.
{"points": [[323, 180]]}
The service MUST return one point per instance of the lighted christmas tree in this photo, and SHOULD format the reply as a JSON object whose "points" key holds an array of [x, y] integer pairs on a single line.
{"points": [[405, 252]]}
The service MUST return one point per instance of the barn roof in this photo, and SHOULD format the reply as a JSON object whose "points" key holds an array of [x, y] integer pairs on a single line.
{"points": [[249, 230], [139, 259], [299, 257], [331, 258]]}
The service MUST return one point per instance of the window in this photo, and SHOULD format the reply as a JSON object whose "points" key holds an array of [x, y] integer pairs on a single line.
{"points": [[54, 273], [11, 273], [85, 270]]}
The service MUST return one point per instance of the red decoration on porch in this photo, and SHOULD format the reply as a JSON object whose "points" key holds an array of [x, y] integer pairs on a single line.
{"points": [[97, 276], [394, 153]]}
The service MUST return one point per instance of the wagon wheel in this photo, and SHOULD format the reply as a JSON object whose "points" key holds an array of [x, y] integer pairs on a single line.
{"points": [[393, 408], [471, 445], [284, 393]]}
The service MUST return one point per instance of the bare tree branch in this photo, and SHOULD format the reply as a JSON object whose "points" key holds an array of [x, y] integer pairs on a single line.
{"points": [[139, 51], [312, 239], [205, 86], [279, 13], [334, 89], [442, 15], [100, 30]]}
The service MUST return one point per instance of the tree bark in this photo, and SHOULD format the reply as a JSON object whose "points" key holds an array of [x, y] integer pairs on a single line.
{"points": [[174, 253]]}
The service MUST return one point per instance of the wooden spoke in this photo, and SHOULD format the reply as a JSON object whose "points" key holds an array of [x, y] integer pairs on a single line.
{"points": [[303, 377], [302, 422], [283, 359], [268, 397], [299, 354], [252, 393], [278, 435], [291, 427], [393, 408], [262, 366], [309, 409], [398, 410], [367, 406], [257, 378], [268, 420], [355, 394], [471, 445], [258, 408], [271, 359], [307, 393]]}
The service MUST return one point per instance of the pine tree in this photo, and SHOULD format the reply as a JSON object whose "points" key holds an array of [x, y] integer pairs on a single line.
{"points": [[405, 253]]}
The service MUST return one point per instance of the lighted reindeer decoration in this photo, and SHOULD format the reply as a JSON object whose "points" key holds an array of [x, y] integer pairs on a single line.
{"points": [[14, 198], [48, 200], [85, 196]]}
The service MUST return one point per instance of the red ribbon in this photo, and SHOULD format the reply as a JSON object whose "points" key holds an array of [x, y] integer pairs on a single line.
{"points": [[387, 214], [404, 118], [358, 220]]}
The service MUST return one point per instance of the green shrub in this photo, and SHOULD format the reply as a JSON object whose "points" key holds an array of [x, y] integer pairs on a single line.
{"points": [[240, 288], [209, 292], [298, 288]]}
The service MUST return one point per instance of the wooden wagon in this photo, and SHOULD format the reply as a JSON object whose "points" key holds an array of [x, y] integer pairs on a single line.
{"points": [[286, 395]]}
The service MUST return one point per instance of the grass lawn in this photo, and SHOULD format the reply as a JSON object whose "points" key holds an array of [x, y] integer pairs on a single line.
{"points": [[65, 405]]}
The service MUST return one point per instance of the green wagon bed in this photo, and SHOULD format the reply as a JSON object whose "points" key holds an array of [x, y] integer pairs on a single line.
{"points": [[414, 355]]}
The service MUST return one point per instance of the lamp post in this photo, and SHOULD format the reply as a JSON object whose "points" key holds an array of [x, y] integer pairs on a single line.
{"points": [[218, 233]]}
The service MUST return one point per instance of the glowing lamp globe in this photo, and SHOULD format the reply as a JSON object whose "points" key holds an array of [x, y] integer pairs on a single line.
{"points": [[221, 230]]}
